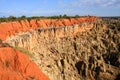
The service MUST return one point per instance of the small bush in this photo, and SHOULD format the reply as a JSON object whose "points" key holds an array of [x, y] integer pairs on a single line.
{"points": [[7, 63]]}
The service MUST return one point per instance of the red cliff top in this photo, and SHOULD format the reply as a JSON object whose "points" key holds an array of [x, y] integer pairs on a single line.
{"points": [[11, 28]]}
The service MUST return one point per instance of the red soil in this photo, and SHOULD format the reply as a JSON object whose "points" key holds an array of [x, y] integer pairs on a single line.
{"points": [[15, 65], [11, 28]]}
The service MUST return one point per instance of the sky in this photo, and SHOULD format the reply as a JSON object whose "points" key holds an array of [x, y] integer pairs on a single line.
{"points": [[59, 7]]}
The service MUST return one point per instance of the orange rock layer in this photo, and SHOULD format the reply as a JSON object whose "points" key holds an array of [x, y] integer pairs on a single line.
{"points": [[11, 28], [15, 65]]}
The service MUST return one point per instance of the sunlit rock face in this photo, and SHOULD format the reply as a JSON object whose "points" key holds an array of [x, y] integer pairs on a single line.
{"points": [[30, 39]]}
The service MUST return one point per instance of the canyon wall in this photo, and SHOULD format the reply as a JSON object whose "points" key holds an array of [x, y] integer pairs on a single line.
{"points": [[27, 34], [12, 28], [29, 40], [49, 31]]}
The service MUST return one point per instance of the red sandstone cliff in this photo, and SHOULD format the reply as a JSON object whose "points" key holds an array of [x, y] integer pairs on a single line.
{"points": [[11, 28], [15, 65]]}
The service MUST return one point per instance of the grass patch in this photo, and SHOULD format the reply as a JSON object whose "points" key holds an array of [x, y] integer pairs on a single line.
{"points": [[23, 50]]}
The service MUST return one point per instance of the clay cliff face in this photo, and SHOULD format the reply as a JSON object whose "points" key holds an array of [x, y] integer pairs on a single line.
{"points": [[15, 65], [12, 28], [30, 39]]}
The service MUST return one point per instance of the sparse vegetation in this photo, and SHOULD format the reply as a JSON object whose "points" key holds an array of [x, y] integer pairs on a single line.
{"points": [[0, 41], [23, 17], [24, 51], [7, 63]]}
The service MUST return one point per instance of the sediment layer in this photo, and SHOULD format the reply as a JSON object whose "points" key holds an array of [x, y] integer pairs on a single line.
{"points": [[12, 28]]}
